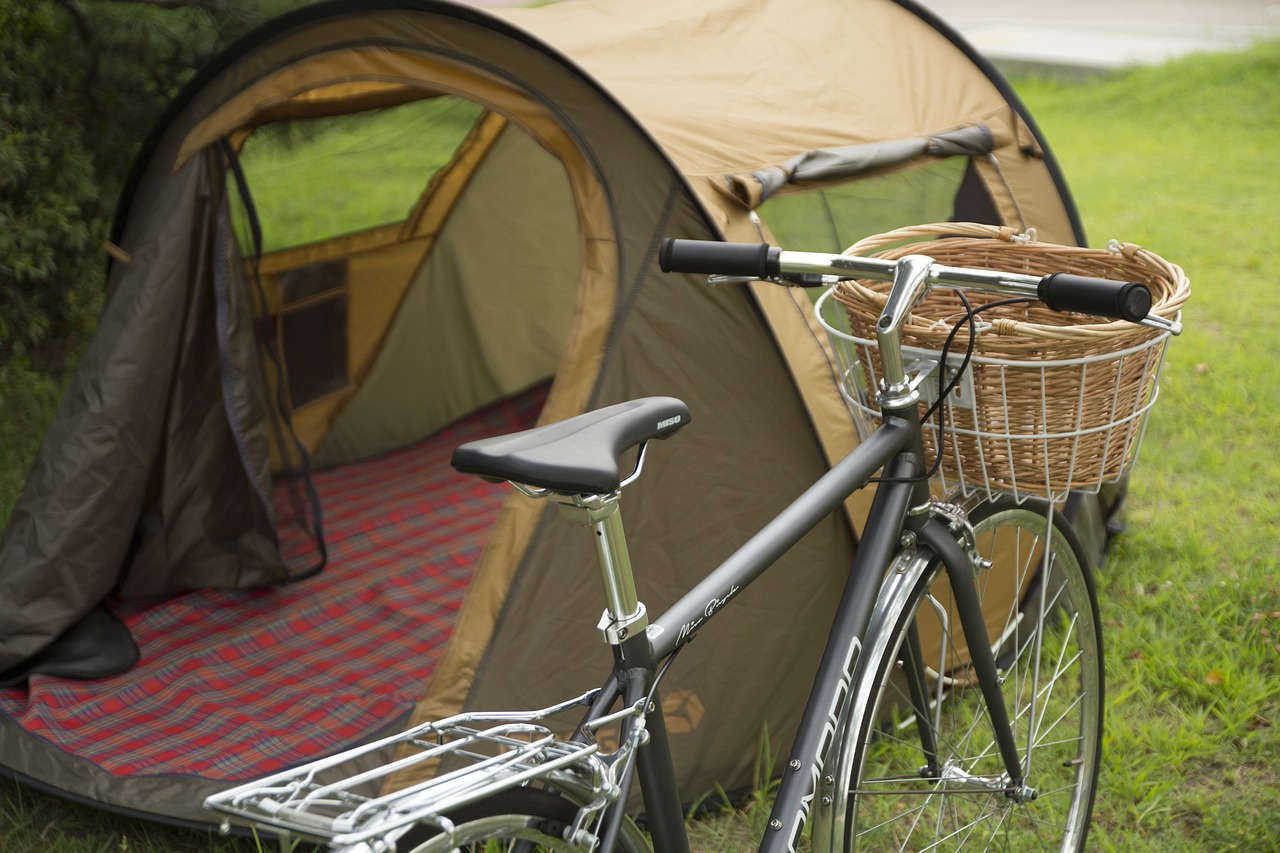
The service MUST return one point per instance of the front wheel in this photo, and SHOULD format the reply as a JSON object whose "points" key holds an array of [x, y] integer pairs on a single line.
{"points": [[521, 819], [912, 790]]}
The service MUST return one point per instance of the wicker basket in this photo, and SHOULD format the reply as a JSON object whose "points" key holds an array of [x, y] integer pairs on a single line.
{"points": [[1051, 402]]}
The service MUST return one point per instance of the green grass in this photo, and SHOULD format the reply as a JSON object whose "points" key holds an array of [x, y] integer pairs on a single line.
{"points": [[1181, 159], [354, 172], [34, 823]]}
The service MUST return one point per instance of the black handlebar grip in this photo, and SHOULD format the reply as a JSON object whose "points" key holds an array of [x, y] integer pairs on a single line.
{"points": [[1098, 296], [717, 258]]}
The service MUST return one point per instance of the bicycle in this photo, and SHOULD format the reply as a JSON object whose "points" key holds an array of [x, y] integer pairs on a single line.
{"points": [[925, 728]]}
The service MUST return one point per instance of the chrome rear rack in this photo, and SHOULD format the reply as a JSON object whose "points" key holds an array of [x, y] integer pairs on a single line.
{"points": [[464, 758]]}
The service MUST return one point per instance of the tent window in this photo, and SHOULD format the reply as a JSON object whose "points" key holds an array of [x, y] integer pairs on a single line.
{"points": [[973, 202], [313, 330], [833, 218], [319, 178]]}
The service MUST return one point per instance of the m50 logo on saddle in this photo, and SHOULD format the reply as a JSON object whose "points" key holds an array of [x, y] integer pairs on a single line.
{"points": [[672, 421]]}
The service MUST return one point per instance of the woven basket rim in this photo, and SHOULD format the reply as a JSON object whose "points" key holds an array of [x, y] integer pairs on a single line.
{"points": [[950, 242]]}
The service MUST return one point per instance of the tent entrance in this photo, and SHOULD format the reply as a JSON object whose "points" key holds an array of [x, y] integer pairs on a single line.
{"points": [[407, 315], [421, 261], [235, 683]]}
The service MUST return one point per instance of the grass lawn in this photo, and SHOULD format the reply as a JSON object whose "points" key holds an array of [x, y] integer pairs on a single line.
{"points": [[1181, 159], [373, 168]]}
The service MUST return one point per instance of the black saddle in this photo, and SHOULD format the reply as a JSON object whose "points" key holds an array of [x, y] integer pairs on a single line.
{"points": [[577, 456]]}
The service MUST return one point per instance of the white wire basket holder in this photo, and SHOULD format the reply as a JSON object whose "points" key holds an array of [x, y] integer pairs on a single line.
{"points": [[1082, 429], [1049, 403]]}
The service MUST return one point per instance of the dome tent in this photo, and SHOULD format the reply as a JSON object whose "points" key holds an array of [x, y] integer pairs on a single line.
{"points": [[258, 409]]}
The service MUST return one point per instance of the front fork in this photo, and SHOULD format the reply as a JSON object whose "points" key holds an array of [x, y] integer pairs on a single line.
{"points": [[937, 538], [929, 531], [934, 539]]}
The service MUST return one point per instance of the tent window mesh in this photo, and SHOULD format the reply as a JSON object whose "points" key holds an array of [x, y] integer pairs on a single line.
{"points": [[832, 218], [319, 178], [313, 330]]}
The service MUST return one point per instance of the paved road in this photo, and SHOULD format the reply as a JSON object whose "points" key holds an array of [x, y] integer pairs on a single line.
{"points": [[1102, 34]]}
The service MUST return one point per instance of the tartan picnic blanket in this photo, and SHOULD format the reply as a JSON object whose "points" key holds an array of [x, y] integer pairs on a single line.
{"points": [[236, 683]]}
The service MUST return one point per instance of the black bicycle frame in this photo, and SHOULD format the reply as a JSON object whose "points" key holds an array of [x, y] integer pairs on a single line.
{"points": [[896, 448]]}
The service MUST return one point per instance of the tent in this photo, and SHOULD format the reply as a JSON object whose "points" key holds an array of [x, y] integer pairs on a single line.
{"points": [[249, 470]]}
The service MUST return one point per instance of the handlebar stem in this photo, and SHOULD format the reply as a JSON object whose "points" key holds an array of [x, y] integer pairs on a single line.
{"points": [[910, 286]]}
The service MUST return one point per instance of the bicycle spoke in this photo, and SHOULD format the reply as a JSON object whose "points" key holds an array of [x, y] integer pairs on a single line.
{"points": [[1048, 659]]}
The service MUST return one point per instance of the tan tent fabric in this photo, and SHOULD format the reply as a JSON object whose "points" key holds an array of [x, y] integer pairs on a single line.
{"points": [[771, 92], [605, 127], [768, 92]]}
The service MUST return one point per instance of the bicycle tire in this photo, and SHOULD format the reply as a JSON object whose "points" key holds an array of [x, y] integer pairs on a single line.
{"points": [[1048, 646], [521, 819]]}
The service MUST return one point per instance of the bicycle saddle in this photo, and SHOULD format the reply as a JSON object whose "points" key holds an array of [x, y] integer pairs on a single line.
{"points": [[577, 456]]}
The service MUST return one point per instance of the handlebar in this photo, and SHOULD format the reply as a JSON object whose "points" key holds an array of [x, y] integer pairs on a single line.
{"points": [[713, 257], [1059, 291], [1099, 296]]}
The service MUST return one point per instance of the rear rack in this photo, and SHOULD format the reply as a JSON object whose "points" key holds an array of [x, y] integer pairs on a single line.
{"points": [[466, 758]]}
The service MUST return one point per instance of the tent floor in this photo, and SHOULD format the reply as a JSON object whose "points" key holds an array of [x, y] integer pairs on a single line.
{"points": [[234, 683]]}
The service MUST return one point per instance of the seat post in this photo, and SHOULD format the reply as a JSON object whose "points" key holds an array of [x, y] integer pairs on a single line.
{"points": [[624, 614]]}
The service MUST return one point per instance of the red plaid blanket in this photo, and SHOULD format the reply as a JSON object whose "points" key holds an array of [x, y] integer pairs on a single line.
{"points": [[233, 684]]}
